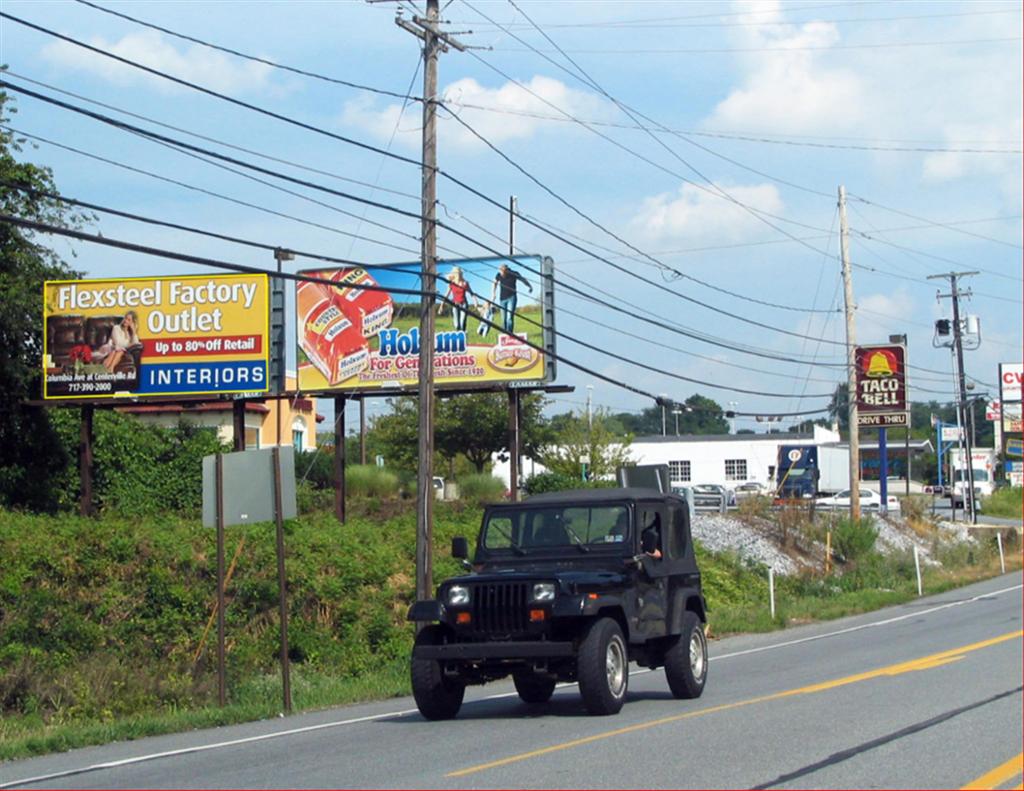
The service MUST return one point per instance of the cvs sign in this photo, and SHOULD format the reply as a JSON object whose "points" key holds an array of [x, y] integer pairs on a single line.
{"points": [[1010, 376]]}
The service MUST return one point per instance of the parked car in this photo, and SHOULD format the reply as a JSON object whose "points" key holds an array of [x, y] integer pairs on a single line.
{"points": [[869, 501], [712, 494], [751, 489]]}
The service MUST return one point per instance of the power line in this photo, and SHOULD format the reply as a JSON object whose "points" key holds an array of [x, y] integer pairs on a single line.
{"points": [[946, 225], [137, 130], [213, 194], [925, 147], [208, 139], [366, 145], [293, 69], [807, 48], [331, 259], [639, 24], [169, 254]]}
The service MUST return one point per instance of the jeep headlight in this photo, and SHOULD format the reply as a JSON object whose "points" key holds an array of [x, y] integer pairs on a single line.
{"points": [[544, 591], [458, 595]]}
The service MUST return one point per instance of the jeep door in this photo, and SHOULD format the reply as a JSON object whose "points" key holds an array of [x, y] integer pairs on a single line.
{"points": [[652, 576]]}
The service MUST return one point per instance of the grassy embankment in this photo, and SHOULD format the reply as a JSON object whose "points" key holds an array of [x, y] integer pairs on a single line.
{"points": [[102, 621], [1005, 502]]}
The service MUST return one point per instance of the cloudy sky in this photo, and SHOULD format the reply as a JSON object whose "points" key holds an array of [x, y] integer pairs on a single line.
{"points": [[689, 153]]}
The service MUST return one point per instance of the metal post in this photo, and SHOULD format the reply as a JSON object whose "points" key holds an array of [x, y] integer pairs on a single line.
{"points": [[339, 458], [883, 469], [238, 424], [282, 591], [851, 358], [222, 693], [1002, 559], [85, 461], [362, 430], [917, 568], [771, 591], [906, 448]]}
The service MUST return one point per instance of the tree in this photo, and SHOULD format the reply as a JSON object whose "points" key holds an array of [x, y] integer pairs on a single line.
{"points": [[576, 438], [33, 456], [475, 426], [838, 407], [697, 415]]}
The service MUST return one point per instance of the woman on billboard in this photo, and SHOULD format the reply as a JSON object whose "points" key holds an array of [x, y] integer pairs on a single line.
{"points": [[123, 336], [458, 292]]}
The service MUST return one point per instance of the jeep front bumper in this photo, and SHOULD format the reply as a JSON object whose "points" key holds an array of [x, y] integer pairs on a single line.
{"points": [[475, 652]]}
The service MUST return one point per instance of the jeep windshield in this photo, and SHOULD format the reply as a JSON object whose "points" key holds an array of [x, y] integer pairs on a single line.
{"points": [[525, 530]]}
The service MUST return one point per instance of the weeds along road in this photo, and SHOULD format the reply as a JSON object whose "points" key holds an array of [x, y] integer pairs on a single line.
{"points": [[924, 695]]}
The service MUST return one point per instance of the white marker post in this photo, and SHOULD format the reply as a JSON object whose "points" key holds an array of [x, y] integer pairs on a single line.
{"points": [[771, 591], [917, 567], [1002, 560]]}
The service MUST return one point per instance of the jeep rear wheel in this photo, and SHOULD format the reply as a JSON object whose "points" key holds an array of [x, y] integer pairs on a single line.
{"points": [[686, 660], [437, 696], [602, 668], [533, 688]]}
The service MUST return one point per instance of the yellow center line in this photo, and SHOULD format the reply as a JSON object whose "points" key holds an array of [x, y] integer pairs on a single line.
{"points": [[1000, 774], [922, 663]]}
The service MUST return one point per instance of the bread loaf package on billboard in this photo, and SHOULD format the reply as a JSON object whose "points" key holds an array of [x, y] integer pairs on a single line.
{"points": [[330, 339]]}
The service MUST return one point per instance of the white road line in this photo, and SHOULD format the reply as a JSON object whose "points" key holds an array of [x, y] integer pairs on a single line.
{"points": [[862, 626], [391, 715]]}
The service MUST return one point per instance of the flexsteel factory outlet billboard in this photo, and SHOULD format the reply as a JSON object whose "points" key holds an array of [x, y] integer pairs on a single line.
{"points": [[498, 310], [189, 335]]}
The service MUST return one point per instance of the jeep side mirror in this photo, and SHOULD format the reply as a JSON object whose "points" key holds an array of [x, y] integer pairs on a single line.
{"points": [[460, 548], [648, 541]]}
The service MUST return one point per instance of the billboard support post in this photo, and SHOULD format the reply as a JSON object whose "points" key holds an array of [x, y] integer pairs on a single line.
{"points": [[362, 430], [883, 468], [221, 681], [282, 591], [513, 443], [339, 458], [238, 425], [85, 461]]}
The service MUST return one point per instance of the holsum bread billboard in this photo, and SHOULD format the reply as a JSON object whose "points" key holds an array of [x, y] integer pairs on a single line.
{"points": [[489, 317], [188, 335]]}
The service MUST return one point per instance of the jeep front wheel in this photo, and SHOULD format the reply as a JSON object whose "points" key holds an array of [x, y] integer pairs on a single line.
{"points": [[437, 697], [533, 688], [602, 668], [686, 660]]}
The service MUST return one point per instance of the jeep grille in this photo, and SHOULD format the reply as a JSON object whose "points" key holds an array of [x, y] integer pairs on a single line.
{"points": [[499, 607]]}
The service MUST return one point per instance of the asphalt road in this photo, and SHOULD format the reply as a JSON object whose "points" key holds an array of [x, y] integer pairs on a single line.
{"points": [[925, 695]]}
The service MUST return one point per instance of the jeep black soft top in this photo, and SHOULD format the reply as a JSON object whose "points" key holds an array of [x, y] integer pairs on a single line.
{"points": [[567, 586]]}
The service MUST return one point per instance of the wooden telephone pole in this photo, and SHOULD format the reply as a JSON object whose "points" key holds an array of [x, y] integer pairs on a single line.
{"points": [[434, 42], [851, 358]]}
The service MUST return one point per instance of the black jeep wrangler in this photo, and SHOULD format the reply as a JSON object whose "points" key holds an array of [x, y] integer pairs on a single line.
{"points": [[568, 586]]}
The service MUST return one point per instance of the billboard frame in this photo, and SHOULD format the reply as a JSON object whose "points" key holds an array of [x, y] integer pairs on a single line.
{"points": [[394, 388]]}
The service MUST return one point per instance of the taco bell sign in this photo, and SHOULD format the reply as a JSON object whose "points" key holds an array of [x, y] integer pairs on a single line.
{"points": [[881, 386]]}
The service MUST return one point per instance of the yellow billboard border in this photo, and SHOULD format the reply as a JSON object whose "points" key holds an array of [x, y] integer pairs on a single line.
{"points": [[121, 394]]}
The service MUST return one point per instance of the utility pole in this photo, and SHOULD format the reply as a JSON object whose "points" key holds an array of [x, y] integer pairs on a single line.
{"points": [[961, 405], [851, 359], [434, 42], [514, 413]]}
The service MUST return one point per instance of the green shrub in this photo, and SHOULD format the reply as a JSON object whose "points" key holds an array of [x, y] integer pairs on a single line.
{"points": [[316, 467], [854, 539], [138, 468], [365, 480], [481, 488], [1004, 502], [558, 482]]}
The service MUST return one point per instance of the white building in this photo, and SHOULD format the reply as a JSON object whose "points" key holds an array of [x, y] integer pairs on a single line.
{"points": [[726, 459]]}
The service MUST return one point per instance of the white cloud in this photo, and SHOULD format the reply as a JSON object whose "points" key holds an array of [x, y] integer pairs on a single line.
{"points": [[196, 63], [464, 96], [882, 314], [787, 88], [697, 214], [966, 95]]}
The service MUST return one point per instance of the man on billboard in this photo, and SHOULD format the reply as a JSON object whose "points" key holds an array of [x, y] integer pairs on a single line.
{"points": [[506, 281]]}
